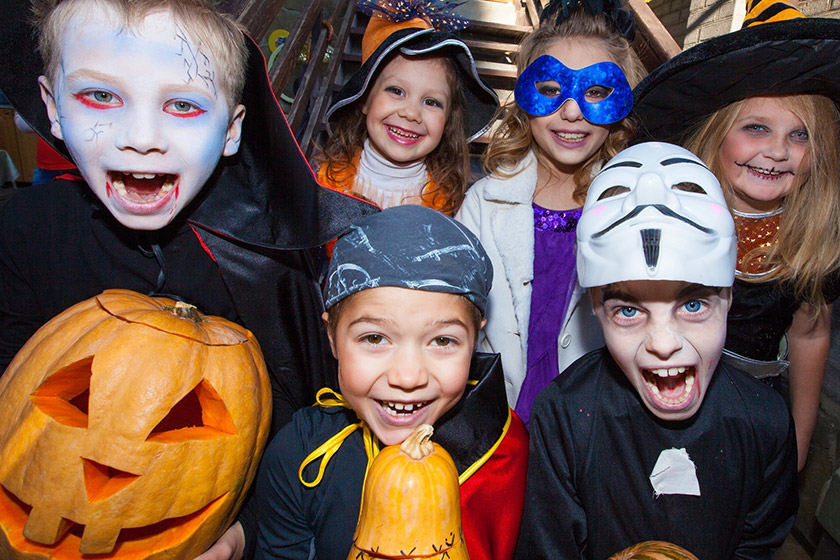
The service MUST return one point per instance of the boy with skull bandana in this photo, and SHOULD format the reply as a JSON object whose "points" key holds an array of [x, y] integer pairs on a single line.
{"points": [[403, 315], [652, 437]]}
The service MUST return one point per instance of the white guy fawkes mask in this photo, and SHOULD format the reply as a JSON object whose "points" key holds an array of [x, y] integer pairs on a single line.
{"points": [[656, 212]]}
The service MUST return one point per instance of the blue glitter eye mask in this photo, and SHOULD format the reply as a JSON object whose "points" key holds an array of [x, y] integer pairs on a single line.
{"points": [[573, 85]]}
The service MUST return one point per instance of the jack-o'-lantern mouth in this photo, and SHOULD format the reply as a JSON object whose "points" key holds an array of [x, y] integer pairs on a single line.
{"points": [[133, 542]]}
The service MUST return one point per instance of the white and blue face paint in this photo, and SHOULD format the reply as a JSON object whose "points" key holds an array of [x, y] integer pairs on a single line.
{"points": [[601, 90]]}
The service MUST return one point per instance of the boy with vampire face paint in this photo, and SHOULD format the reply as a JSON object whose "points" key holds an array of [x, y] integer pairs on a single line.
{"points": [[652, 437], [179, 194]]}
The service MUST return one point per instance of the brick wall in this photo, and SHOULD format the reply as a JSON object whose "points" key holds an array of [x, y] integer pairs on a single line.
{"points": [[693, 21], [674, 16]]}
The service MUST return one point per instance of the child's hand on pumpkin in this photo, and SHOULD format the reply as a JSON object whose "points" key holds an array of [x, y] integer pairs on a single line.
{"points": [[230, 546]]}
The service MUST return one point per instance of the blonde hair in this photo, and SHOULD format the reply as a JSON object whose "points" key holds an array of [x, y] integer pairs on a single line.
{"points": [[448, 164], [214, 31], [807, 247], [511, 140]]}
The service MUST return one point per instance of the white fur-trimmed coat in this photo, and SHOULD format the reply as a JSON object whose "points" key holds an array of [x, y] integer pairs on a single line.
{"points": [[499, 212]]}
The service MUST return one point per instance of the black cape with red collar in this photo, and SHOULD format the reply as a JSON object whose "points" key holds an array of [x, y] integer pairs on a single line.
{"points": [[261, 218], [486, 440]]}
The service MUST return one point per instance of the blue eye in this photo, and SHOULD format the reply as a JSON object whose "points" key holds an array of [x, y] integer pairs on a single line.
{"points": [[693, 306], [629, 311]]}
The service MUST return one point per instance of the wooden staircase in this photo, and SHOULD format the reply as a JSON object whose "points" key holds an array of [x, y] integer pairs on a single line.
{"points": [[330, 33]]}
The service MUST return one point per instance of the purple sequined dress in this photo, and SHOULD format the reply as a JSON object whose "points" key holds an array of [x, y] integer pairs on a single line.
{"points": [[551, 290]]}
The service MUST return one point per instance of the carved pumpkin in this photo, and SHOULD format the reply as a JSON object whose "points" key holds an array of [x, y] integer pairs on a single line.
{"points": [[131, 428], [411, 506], [654, 550]]}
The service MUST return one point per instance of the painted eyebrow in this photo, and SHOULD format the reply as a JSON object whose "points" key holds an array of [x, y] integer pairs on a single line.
{"points": [[669, 161], [635, 164], [674, 161]]}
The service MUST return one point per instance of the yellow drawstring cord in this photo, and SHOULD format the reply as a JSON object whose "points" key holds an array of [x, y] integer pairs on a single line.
{"points": [[328, 398]]}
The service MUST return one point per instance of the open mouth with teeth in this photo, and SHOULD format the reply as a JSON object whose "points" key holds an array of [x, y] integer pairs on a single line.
{"points": [[401, 135], [670, 388], [142, 188], [401, 409], [570, 136], [771, 173]]}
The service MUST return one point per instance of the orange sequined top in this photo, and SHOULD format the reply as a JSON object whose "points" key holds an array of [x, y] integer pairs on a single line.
{"points": [[755, 231]]}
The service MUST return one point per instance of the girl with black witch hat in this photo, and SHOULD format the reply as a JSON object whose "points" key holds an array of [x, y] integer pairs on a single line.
{"points": [[760, 107], [400, 126]]}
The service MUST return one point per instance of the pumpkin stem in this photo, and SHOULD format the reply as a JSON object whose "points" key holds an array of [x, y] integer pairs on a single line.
{"points": [[185, 311], [418, 445]]}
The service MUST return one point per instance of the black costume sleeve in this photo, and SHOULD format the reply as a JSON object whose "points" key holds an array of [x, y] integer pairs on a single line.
{"points": [[554, 522], [294, 520], [285, 532], [19, 312]]}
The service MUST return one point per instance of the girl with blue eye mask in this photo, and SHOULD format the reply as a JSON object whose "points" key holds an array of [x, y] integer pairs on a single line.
{"points": [[572, 98]]}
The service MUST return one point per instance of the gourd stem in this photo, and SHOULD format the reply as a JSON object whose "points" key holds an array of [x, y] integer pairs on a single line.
{"points": [[418, 445]]}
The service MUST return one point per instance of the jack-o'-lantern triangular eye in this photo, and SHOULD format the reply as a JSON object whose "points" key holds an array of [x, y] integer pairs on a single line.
{"points": [[64, 395], [102, 481], [200, 414]]}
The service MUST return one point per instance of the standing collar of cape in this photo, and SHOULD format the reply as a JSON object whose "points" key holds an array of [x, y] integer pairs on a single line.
{"points": [[473, 429]]}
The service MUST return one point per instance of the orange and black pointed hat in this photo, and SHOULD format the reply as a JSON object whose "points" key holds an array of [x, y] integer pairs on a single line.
{"points": [[778, 51]]}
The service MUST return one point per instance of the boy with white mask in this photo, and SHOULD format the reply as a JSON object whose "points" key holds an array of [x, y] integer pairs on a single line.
{"points": [[652, 438]]}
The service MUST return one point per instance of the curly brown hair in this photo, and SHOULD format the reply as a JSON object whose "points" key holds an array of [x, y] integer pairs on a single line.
{"points": [[447, 164], [511, 140]]}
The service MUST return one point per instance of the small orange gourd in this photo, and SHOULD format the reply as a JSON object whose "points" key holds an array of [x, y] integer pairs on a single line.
{"points": [[653, 550], [132, 427], [411, 506]]}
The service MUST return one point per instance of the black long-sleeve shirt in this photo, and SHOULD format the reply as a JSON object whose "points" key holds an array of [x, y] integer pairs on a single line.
{"points": [[594, 446]]}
